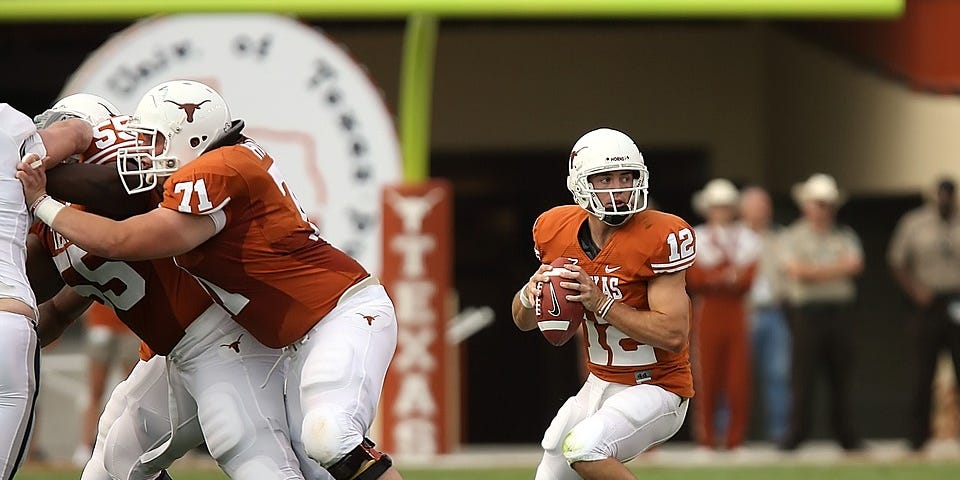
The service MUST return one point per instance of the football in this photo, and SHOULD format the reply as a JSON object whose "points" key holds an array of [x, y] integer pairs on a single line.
{"points": [[557, 317]]}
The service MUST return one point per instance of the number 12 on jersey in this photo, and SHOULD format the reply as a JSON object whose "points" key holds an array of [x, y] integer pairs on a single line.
{"points": [[607, 345], [682, 248]]}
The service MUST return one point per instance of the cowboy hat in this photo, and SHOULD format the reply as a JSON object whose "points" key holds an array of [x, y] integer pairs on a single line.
{"points": [[717, 192], [819, 187]]}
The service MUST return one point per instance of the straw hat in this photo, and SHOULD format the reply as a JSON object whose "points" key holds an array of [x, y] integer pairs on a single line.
{"points": [[819, 187], [717, 192]]}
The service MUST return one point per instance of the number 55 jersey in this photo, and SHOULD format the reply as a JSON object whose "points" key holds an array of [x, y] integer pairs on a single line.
{"points": [[155, 298], [649, 244]]}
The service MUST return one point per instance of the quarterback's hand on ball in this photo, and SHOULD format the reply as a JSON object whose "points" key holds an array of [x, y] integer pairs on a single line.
{"points": [[31, 173], [590, 294], [530, 290]]}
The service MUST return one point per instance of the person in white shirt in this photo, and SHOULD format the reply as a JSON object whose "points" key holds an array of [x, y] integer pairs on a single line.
{"points": [[769, 330], [19, 349]]}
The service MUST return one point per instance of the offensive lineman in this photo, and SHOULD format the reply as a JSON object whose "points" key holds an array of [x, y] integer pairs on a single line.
{"points": [[230, 220], [19, 349], [628, 264], [214, 382]]}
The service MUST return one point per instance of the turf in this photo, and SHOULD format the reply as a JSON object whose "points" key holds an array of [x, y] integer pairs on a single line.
{"points": [[949, 471]]}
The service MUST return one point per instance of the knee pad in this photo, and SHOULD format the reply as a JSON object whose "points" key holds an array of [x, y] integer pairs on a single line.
{"points": [[365, 459], [226, 427], [115, 407], [585, 442], [568, 416], [328, 367], [329, 434], [122, 446]]}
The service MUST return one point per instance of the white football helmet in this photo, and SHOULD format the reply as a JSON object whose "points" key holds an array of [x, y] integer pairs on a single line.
{"points": [[600, 151], [85, 106], [175, 122]]}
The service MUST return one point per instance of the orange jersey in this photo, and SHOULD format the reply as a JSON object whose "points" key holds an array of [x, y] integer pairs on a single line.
{"points": [[101, 315], [649, 244], [155, 299], [145, 352], [267, 265], [108, 137]]}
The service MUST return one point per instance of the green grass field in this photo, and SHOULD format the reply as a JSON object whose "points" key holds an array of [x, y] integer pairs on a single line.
{"points": [[931, 471]]}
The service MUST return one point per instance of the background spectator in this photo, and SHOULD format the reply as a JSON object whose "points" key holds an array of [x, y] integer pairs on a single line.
{"points": [[821, 261], [769, 332], [924, 254], [727, 253]]}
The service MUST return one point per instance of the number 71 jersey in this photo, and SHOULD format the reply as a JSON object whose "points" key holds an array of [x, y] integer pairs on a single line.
{"points": [[651, 243], [267, 264]]}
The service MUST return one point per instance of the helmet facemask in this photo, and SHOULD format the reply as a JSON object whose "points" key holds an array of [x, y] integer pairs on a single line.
{"points": [[602, 202], [141, 165]]}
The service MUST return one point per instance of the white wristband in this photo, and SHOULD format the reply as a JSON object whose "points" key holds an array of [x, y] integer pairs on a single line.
{"points": [[523, 297], [605, 307], [47, 210]]}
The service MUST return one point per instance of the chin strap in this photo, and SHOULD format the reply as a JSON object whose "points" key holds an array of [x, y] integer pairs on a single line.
{"points": [[615, 219]]}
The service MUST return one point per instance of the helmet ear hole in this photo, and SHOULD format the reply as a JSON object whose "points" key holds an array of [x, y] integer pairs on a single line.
{"points": [[196, 141]]}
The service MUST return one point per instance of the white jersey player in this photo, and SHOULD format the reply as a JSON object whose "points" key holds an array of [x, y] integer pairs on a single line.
{"points": [[19, 350]]}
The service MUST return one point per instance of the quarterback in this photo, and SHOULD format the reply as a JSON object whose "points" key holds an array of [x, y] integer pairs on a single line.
{"points": [[628, 264], [229, 219]]}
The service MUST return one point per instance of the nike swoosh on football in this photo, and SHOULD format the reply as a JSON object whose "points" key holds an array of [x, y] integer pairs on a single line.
{"points": [[555, 308], [610, 269]]}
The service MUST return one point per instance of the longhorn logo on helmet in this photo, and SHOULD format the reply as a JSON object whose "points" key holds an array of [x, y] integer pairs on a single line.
{"points": [[188, 108]]}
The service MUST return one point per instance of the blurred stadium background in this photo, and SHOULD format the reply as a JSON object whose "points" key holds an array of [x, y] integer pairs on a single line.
{"points": [[759, 92]]}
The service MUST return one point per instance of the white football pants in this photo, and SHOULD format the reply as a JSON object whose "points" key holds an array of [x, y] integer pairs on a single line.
{"points": [[19, 382], [335, 377], [218, 386], [608, 420]]}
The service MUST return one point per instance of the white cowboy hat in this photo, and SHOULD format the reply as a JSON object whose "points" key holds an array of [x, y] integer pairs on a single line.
{"points": [[819, 187], [717, 192]]}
